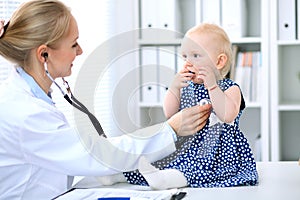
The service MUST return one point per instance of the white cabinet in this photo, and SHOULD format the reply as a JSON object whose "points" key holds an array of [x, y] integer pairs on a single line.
{"points": [[251, 35], [284, 81]]}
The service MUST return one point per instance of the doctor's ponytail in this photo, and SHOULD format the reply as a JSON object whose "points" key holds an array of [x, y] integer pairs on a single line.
{"points": [[34, 23]]}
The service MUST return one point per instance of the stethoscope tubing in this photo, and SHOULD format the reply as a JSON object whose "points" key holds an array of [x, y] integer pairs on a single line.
{"points": [[75, 103]]}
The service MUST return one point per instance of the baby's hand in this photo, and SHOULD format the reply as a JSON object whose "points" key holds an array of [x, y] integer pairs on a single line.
{"points": [[208, 75], [181, 79]]}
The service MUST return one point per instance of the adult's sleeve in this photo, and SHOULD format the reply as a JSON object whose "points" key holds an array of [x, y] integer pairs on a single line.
{"points": [[80, 151]]}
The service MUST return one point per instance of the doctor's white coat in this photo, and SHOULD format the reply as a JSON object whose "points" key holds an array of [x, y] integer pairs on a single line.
{"points": [[39, 150]]}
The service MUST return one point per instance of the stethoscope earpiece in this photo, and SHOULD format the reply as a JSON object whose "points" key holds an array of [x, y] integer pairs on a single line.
{"points": [[45, 55]]}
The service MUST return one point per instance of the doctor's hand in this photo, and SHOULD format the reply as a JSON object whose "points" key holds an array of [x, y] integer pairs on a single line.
{"points": [[190, 120]]}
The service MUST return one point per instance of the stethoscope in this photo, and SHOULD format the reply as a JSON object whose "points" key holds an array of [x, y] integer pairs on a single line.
{"points": [[72, 100]]}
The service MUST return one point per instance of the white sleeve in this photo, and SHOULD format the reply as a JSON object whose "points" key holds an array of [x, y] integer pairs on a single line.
{"points": [[53, 144]]}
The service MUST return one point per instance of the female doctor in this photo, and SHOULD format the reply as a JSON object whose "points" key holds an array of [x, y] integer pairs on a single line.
{"points": [[39, 150]]}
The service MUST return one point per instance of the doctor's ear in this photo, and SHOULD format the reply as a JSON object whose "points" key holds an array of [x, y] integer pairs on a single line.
{"points": [[42, 54]]}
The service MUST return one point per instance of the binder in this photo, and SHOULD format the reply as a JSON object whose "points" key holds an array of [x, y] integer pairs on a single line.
{"points": [[234, 18], [243, 73], [159, 19], [211, 11], [167, 66], [149, 19], [179, 61], [235, 50], [286, 19], [256, 77], [166, 15], [149, 79], [150, 90], [298, 19], [166, 19]]}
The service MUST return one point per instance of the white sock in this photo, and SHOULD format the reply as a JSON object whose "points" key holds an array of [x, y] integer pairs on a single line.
{"points": [[111, 179], [161, 179]]}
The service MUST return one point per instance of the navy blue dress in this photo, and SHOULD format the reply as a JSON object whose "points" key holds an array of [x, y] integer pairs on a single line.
{"points": [[216, 156]]}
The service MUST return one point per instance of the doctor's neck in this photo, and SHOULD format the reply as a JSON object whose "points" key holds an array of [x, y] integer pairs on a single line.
{"points": [[40, 77]]}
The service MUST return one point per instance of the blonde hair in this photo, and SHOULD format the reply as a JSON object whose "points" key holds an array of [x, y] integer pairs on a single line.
{"points": [[220, 37], [35, 23]]}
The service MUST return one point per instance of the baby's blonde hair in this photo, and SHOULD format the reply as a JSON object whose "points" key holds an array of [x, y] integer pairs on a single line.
{"points": [[35, 23], [220, 37]]}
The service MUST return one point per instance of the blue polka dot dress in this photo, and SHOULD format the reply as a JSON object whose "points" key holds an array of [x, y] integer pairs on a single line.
{"points": [[216, 156]]}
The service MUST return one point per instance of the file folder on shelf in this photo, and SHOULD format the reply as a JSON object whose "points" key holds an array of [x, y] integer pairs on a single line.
{"points": [[167, 65], [149, 75], [211, 11], [234, 18], [150, 93], [298, 19], [159, 19], [286, 19]]}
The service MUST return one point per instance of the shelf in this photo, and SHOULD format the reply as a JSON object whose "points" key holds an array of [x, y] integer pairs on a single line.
{"points": [[253, 104], [289, 107], [177, 41], [288, 42], [160, 42], [285, 81], [150, 105], [255, 37], [246, 40]]}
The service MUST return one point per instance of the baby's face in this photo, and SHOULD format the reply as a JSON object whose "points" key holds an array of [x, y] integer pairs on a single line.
{"points": [[198, 52]]}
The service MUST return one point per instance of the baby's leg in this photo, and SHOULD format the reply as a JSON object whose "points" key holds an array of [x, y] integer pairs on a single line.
{"points": [[161, 179]]}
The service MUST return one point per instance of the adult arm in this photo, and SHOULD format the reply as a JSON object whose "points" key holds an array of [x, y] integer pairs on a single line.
{"points": [[190, 120], [54, 145]]}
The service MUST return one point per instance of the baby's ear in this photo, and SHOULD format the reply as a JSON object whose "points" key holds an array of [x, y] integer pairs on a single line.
{"points": [[221, 62]]}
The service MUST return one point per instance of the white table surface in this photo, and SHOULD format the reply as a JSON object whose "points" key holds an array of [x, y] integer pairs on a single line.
{"points": [[277, 181]]}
